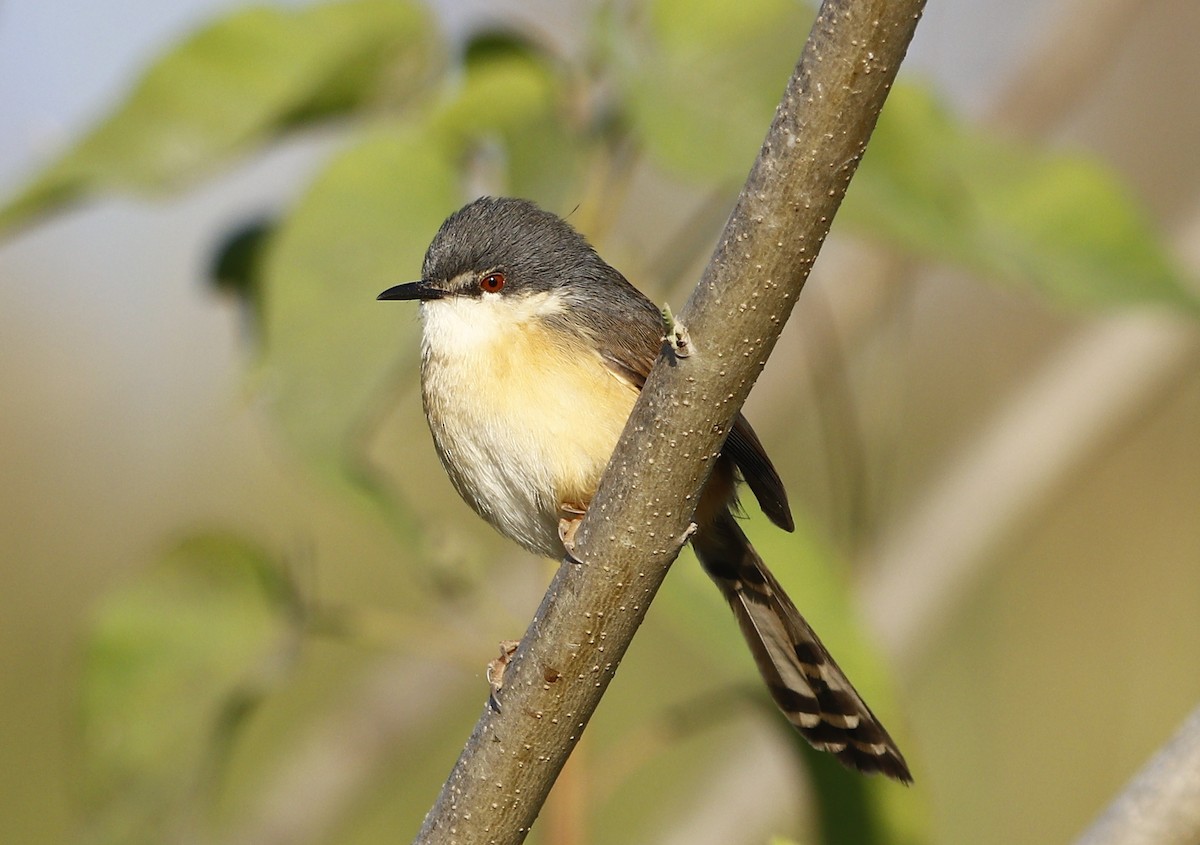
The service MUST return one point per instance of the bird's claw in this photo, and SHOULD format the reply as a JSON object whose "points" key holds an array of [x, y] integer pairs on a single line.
{"points": [[568, 525], [495, 671]]}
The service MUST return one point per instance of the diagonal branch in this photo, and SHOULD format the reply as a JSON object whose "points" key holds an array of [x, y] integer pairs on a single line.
{"points": [[640, 517], [1161, 805]]}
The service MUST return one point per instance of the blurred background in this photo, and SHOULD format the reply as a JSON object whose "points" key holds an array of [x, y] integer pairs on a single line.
{"points": [[240, 602]]}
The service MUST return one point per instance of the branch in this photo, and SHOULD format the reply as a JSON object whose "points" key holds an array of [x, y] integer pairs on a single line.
{"points": [[1161, 805], [1083, 399], [640, 517]]}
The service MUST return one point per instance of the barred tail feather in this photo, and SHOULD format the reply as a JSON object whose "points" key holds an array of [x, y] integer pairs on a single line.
{"points": [[805, 681]]}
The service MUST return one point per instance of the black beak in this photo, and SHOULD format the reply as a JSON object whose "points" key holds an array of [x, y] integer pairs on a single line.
{"points": [[421, 290]]}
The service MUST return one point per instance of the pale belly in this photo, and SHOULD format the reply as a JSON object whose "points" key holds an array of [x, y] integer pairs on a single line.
{"points": [[523, 423]]}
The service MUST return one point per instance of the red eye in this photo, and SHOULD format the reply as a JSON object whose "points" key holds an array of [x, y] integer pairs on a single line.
{"points": [[492, 283]]}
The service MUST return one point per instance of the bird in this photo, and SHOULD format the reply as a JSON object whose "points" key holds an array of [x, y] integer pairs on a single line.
{"points": [[533, 352]]}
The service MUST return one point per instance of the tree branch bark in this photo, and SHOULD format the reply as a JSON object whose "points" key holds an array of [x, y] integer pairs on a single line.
{"points": [[1161, 805], [639, 519]]}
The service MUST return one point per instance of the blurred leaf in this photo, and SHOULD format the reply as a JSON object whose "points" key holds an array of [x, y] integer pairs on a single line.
{"points": [[362, 227], [513, 98], [500, 42], [701, 92], [258, 72], [174, 661], [237, 266], [848, 801], [1058, 223], [704, 85]]}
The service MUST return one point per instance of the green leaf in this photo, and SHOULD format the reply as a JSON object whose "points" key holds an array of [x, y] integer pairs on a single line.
{"points": [[173, 662], [1057, 223], [256, 73], [362, 227], [513, 99], [701, 91], [703, 86]]}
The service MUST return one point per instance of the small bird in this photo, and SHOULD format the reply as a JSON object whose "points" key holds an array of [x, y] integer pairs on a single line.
{"points": [[533, 353]]}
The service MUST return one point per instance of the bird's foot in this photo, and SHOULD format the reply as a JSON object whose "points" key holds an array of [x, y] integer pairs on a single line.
{"points": [[495, 670], [568, 525]]}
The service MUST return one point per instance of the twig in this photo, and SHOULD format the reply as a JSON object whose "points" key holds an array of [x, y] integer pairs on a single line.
{"points": [[638, 520], [1161, 805]]}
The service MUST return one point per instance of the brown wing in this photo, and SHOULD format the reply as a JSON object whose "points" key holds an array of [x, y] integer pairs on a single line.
{"points": [[631, 354]]}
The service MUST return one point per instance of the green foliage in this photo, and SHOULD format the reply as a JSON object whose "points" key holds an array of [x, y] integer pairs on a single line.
{"points": [[1056, 223], [513, 98], [703, 86], [245, 79], [175, 662], [328, 343]]}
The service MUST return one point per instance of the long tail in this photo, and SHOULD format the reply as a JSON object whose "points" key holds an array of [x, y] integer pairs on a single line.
{"points": [[804, 680]]}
